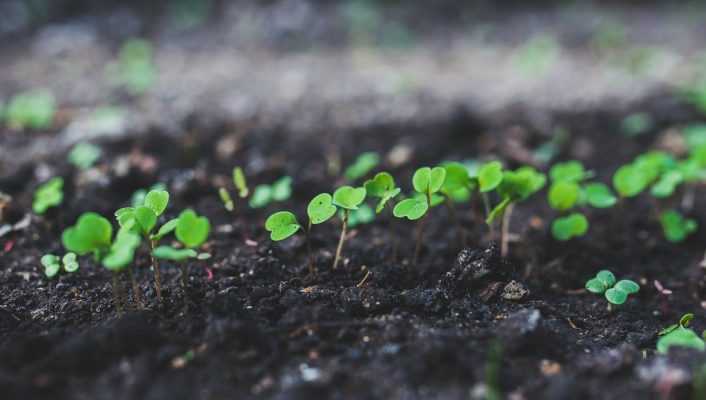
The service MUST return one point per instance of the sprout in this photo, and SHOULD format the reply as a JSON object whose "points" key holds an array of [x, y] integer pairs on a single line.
{"points": [[224, 194], [240, 182], [382, 186], [191, 230], [629, 181], [53, 264], [676, 228], [34, 110], [84, 155], [564, 195], [321, 209], [348, 198], [598, 195], [426, 181], [573, 225], [489, 176], [680, 335], [263, 195], [49, 194], [363, 215], [282, 225], [616, 293], [362, 166], [458, 185], [570, 171]]}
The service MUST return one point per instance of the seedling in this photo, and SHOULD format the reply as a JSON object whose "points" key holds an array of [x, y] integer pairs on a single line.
{"points": [[362, 166], [143, 220], [347, 198], [680, 335], [382, 187], [191, 230], [134, 69], [33, 109], [228, 203], [263, 195], [426, 182], [84, 155], [363, 215], [50, 194], [53, 264], [282, 225], [615, 292], [677, 228], [570, 226], [240, 183]]}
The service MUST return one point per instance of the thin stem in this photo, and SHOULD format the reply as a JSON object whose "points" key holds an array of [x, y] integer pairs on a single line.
{"points": [[420, 232], [312, 269], [486, 205], [157, 274], [504, 233], [137, 292], [341, 239], [117, 291]]}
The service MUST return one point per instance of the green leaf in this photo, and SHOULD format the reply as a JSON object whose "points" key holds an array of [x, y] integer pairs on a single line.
{"points": [[489, 176], [667, 184], [349, 197], [498, 210], [282, 225], [321, 208], [125, 216], [606, 277], [428, 180], [457, 179], [192, 230], [261, 197], [379, 185], [680, 337], [518, 185], [51, 265], [166, 229], [92, 232], [616, 296], [282, 189], [599, 195], [629, 181], [563, 195], [84, 155], [627, 286], [363, 215], [362, 165], [636, 124], [573, 225], [570, 171], [122, 251], [33, 109], [595, 285], [240, 182], [170, 253], [70, 262], [412, 208], [49, 194], [677, 228], [157, 201], [146, 219]]}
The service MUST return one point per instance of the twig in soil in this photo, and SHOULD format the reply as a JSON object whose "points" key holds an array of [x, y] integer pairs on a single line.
{"points": [[365, 278], [339, 248]]}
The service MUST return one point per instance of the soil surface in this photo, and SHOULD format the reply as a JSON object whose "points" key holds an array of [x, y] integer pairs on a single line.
{"points": [[252, 323]]}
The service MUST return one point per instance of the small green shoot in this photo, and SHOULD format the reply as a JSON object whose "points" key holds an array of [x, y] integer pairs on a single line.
{"points": [[278, 191], [240, 183], [382, 187], [629, 181], [226, 199], [363, 215], [677, 228], [53, 264], [282, 225], [191, 230], [598, 195], [50, 194], [362, 166], [489, 176], [570, 226], [680, 335], [615, 292], [84, 155], [31, 110], [348, 198]]}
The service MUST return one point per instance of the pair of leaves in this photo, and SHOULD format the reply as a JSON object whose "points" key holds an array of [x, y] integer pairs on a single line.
{"points": [[191, 230], [426, 181], [573, 225], [615, 292], [680, 335], [49, 194], [92, 233], [348, 197], [382, 186], [279, 190], [458, 185], [144, 216], [362, 166], [53, 264], [677, 228], [489, 176], [516, 186]]}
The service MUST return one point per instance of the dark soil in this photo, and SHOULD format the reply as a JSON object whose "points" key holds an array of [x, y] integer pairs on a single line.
{"points": [[253, 324]]}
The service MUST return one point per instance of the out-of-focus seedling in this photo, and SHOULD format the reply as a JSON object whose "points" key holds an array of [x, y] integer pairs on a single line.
{"points": [[426, 182], [135, 69], [362, 166], [34, 109], [680, 335], [615, 292], [570, 226], [84, 155], [54, 264], [677, 228], [49, 194], [227, 201], [240, 182], [263, 195], [382, 187], [363, 215], [347, 198]]}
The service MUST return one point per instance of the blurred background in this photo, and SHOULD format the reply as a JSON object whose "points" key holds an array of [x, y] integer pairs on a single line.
{"points": [[84, 69]]}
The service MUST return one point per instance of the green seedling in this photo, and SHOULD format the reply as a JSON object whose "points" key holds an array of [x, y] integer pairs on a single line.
{"points": [[426, 182], [676, 228], [50, 194], [569, 227], [240, 183], [615, 292], [53, 264], [458, 185], [191, 230], [279, 191], [282, 225], [84, 155], [31, 110], [347, 198], [636, 124], [138, 198], [382, 187], [226, 199], [135, 69], [599, 195], [363, 215], [680, 335], [362, 166], [564, 195], [143, 219]]}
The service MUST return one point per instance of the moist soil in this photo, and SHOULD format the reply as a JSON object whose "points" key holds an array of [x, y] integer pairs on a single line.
{"points": [[253, 323]]}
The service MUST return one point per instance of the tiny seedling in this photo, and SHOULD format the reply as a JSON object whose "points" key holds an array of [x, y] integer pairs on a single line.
{"points": [[226, 199], [362, 166], [282, 225], [278, 191], [382, 187], [53, 264], [680, 335], [629, 181], [363, 215], [135, 69], [33, 109], [570, 226], [240, 182], [50, 194], [677, 228], [426, 182], [615, 292], [84, 155], [347, 198]]}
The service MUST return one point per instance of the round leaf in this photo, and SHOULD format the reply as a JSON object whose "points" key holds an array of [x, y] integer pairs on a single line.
{"points": [[627, 286], [595, 285], [569, 227], [563, 195], [321, 208], [146, 218], [349, 197], [570, 171], [261, 197], [599, 195], [70, 263], [282, 225], [362, 165], [412, 208], [92, 232], [606, 277], [616, 296], [381, 184], [629, 181], [282, 189], [490, 175], [191, 229], [157, 201]]}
